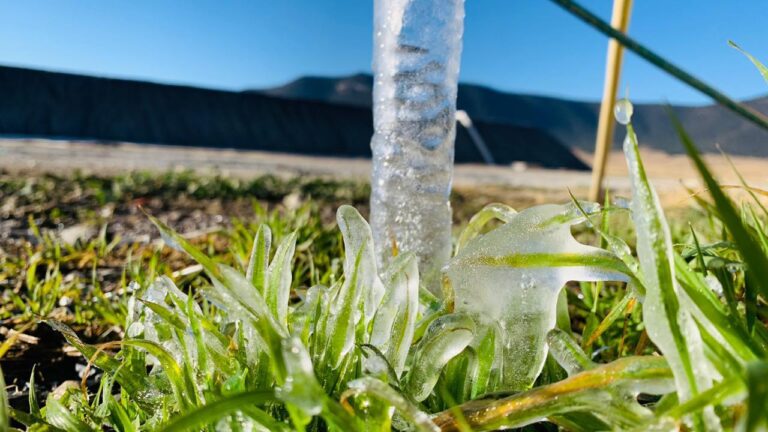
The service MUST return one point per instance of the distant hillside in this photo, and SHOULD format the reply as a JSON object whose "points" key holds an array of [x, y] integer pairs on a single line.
{"points": [[573, 123], [47, 104]]}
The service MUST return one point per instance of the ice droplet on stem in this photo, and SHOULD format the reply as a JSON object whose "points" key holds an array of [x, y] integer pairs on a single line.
{"points": [[623, 111]]}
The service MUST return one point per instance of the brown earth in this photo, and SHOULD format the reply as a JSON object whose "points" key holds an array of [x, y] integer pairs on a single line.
{"points": [[671, 174]]}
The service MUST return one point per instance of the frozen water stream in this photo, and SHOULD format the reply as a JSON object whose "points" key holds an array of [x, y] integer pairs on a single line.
{"points": [[417, 47]]}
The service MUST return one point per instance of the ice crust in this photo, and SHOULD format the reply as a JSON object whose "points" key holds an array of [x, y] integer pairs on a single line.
{"points": [[509, 280]]}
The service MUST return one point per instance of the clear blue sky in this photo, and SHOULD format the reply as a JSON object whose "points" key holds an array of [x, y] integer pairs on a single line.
{"points": [[527, 46]]}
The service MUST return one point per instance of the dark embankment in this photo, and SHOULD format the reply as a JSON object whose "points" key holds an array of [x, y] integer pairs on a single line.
{"points": [[47, 104], [573, 123]]}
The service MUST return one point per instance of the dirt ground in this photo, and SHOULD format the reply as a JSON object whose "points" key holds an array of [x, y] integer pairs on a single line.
{"points": [[671, 174]]}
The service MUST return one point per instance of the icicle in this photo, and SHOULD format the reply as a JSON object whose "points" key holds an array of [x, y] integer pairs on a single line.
{"points": [[417, 45]]}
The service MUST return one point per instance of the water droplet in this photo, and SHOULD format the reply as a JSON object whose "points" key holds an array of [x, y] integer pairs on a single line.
{"points": [[623, 111], [170, 242], [65, 301], [135, 329], [375, 365], [621, 202], [133, 287]]}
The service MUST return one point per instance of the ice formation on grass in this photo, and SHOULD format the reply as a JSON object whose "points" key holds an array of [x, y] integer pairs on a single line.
{"points": [[417, 46], [509, 279], [668, 321]]}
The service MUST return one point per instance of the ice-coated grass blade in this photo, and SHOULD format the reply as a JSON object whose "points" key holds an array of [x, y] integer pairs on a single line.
{"points": [[749, 248], [359, 256], [278, 290], [395, 321], [575, 393], [498, 211], [129, 380], [615, 313], [446, 337], [59, 416], [615, 244], [361, 291], [579, 422], [715, 395], [209, 413], [302, 390], [381, 390], [669, 327], [759, 65], [567, 352], [509, 280], [243, 292], [183, 390], [256, 272], [210, 342]]}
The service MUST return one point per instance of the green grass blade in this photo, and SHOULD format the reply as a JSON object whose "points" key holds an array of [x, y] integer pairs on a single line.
{"points": [[593, 20], [615, 313], [59, 416], [579, 422], [340, 331], [173, 239], [669, 327], [119, 417], [5, 408], [130, 381], [760, 66], [194, 420], [171, 368], [711, 311], [716, 394], [743, 181], [749, 248], [29, 420], [757, 401], [34, 406], [358, 240], [381, 390]]}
